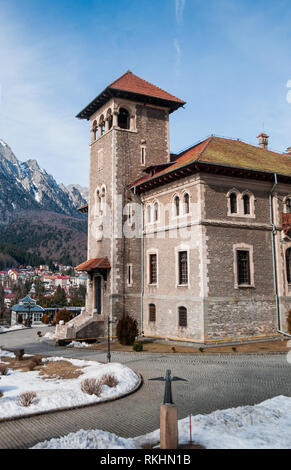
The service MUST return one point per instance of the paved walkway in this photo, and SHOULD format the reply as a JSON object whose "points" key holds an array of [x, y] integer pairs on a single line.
{"points": [[214, 382]]}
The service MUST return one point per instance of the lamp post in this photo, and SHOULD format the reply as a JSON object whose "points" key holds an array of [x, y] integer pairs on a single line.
{"points": [[109, 322]]}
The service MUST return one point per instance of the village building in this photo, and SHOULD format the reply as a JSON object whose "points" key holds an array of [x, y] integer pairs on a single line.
{"points": [[196, 246], [28, 310]]}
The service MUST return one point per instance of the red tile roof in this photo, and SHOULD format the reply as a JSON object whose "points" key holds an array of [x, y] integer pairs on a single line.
{"points": [[132, 87], [134, 84], [94, 263], [228, 153]]}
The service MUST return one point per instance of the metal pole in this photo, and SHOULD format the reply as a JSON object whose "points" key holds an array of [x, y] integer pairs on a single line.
{"points": [[108, 340]]}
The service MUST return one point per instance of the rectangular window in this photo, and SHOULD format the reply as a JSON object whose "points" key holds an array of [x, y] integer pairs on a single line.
{"points": [[243, 267], [152, 312], [183, 267], [153, 269], [183, 317], [143, 155], [129, 274]]}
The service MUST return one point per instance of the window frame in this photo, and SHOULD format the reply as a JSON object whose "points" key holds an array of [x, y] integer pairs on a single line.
{"points": [[150, 273], [185, 311], [250, 250], [179, 250], [152, 313]]}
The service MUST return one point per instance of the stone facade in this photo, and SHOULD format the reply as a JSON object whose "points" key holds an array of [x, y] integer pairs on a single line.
{"points": [[130, 228]]}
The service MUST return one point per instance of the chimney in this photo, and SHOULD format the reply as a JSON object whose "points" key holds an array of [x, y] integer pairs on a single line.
{"points": [[263, 140]]}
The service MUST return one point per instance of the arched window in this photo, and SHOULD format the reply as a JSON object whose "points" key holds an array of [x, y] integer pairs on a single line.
{"points": [[288, 205], [123, 119], [233, 203], [177, 206], [102, 125], [95, 130], [152, 312], [288, 265], [246, 201], [186, 203], [156, 212], [182, 316], [103, 201], [149, 213], [110, 119]]}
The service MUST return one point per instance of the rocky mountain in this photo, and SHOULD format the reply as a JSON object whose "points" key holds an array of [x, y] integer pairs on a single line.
{"points": [[25, 186], [39, 220]]}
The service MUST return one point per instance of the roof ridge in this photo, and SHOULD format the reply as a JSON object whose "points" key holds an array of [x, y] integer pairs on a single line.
{"points": [[145, 81], [257, 147]]}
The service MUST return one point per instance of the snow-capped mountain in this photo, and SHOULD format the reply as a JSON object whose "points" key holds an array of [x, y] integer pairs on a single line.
{"points": [[26, 186]]}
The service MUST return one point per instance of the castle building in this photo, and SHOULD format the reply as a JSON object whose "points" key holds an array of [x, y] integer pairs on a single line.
{"points": [[196, 246]]}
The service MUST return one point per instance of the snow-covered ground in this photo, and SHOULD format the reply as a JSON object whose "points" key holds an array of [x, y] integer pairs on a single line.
{"points": [[3, 329], [59, 393], [76, 344], [263, 426]]}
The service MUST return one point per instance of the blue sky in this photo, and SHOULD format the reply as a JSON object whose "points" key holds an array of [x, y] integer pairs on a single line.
{"points": [[229, 59]]}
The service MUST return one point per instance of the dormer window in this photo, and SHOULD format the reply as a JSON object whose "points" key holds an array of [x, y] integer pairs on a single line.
{"points": [[123, 119]]}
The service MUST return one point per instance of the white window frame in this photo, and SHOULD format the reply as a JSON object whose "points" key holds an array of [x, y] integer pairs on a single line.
{"points": [[250, 249], [178, 250]]}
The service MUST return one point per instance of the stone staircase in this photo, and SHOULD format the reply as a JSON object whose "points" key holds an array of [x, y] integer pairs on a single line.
{"points": [[82, 326]]}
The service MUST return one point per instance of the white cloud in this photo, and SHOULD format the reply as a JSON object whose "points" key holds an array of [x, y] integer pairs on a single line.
{"points": [[180, 6], [178, 55]]}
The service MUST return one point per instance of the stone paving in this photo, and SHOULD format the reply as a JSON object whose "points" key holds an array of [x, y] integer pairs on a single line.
{"points": [[213, 382]]}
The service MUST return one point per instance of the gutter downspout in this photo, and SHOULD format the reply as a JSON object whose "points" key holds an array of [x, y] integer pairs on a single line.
{"points": [[142, 262], [275, 277]]}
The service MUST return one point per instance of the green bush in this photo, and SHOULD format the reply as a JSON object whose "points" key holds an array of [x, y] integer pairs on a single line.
{"points": [[137, 346], [127, 330]]}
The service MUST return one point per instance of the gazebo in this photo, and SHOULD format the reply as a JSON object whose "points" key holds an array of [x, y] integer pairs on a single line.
{"points": [[28, 309]]}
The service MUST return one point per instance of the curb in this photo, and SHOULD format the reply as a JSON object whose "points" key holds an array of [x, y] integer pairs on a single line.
{"points": [[86, 405]]}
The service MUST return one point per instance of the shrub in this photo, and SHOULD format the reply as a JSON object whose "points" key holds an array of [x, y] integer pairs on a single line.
{"points": [[3, 369], [127, 330], [45, 319], [137, 346], [109, 380], [39, 333], [201, 350], [91, 387], [20, 318], [37, 360], [19, 354], [64, 315], [31, 365], [62, 342], [27, 398], [173, 349], [26, 322], [289, 322], [234, 349]]}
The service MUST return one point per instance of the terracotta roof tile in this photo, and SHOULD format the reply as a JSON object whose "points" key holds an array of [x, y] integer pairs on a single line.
{"points": [[94, 263], [231, 153], [133, 83]]}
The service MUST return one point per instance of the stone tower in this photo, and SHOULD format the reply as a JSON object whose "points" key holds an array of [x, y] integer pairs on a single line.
{"points": [[129, 125]]}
